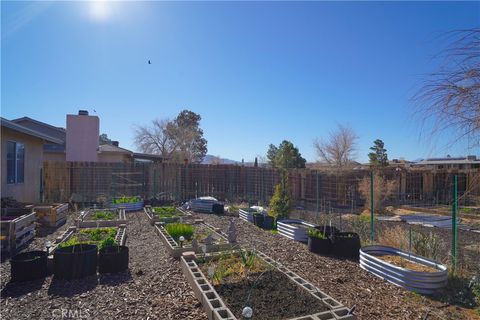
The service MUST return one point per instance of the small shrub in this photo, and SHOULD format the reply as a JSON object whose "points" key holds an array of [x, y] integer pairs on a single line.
{"points": [[427, 245], [180, 229], [361, 226], [395, 237], [382, 190], [280, 205]]}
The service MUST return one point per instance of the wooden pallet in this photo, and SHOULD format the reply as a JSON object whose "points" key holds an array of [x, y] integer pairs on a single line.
{"points": [[52, 215], [17, 228]]}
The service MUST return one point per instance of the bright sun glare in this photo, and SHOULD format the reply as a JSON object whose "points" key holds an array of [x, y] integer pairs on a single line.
{"points": [[99, 9]]}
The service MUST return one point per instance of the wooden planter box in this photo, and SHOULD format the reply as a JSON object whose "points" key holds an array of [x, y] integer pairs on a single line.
{"points": [[217, 309], [85, 222], [53, 215], [220, 242], [17, 228]]}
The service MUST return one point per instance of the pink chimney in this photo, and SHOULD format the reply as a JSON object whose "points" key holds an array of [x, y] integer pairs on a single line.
{"points": [[82, 137]]}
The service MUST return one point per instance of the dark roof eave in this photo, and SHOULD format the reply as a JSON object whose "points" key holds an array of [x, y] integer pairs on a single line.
{"points": [[16, 127]]}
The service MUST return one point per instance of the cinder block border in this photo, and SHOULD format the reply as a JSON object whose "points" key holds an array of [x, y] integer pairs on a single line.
{"points": [[83, 221], [176, 251], [216, 309]]}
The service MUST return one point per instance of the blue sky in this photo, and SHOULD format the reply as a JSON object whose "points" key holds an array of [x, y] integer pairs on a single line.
{"points": [[257, 72]]}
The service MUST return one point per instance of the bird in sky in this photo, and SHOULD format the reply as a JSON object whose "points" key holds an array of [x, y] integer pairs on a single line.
{"points": [[149, 62]]}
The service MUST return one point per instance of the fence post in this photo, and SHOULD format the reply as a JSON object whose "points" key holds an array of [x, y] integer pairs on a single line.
{"points": [[372, 219], [454, 223], [316, 214]]}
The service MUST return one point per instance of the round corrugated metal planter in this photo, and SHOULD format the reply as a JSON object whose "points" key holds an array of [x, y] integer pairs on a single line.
{"points": [[417, 281]]}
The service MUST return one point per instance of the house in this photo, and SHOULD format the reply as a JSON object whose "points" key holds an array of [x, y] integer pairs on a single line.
{"points": [[22, 156], [80, 142], [52, 151], [457, 163]]}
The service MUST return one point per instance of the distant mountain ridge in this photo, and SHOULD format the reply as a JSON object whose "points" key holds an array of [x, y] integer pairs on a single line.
{"points": [[209, 159]]}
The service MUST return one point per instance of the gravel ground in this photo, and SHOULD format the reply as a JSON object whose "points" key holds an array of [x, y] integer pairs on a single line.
{"points": [[342, 279], [154, 287]]}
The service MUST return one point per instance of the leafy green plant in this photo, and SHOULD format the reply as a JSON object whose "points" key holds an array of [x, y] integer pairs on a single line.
{"points": [[248, 258], [125, 199], [315, 233], [99, 234], [165, 212], [70, 242], [180, 229], [103, 215], [102, 237]]}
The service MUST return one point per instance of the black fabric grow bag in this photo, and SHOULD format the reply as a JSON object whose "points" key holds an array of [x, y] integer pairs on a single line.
{"points": [[74, 262], [319, 246], [27, 266], [113, 259], [346, 245], [268, 222], [258, 220]]}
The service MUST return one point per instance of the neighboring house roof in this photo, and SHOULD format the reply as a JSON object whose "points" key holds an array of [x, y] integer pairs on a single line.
{"points": [[110, 148], [148, 156], [19, 128], [440, 161], [42, 127]]}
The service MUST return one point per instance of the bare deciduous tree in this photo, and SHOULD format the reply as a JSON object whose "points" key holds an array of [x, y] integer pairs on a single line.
{"points": [[179, 140], [155, 139], [450, 98], [339, 150]]}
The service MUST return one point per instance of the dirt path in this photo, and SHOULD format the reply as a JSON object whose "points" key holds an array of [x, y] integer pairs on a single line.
{"points": [[154, 287]]}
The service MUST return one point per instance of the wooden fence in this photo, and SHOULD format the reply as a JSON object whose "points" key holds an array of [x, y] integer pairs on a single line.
{"points": [[87, 182]]}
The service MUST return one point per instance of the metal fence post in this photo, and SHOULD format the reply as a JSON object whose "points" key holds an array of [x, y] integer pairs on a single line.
{"points": [[316, 215], [372, 219], [454, 223]]}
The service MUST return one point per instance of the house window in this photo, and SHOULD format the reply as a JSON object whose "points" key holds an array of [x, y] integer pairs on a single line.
{"points": [[15, 162]]}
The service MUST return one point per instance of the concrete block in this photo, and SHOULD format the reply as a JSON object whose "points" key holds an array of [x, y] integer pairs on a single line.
{"points": [[342, 314]]}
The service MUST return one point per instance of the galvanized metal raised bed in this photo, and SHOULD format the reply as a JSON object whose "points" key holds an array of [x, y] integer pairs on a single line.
{"points": [[294, 229], [134, 206], [421, 282]]}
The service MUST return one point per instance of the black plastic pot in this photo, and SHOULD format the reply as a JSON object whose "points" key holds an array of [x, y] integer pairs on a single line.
{"points": [[28, 266], [319, 246], [258, 220], [346, 245], [268, 222], [218, 208], [113, 259], [74, 262]]}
